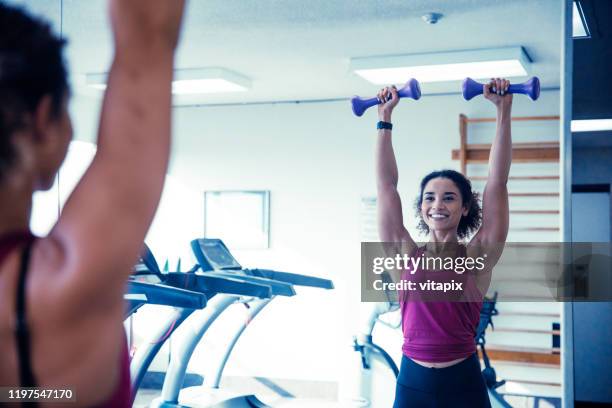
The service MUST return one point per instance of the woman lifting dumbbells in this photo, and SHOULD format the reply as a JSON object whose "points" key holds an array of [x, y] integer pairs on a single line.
{"points": [[440, 366]]}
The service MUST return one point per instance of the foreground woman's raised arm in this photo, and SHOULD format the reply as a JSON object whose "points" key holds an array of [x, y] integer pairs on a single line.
{"points": [[104, 222]]}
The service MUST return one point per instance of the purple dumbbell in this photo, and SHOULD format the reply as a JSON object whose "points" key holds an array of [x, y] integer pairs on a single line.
{"points": [[530, 88], [410, 90]]}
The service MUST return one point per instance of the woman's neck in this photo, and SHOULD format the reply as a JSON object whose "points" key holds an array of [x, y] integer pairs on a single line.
{"points": [[441, 242], [441, 237]]}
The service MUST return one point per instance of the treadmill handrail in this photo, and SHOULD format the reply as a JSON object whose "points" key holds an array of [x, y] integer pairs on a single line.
{"points": [[212, 285], [293, 278], [160, 294], [277, 287], [208, 264]]}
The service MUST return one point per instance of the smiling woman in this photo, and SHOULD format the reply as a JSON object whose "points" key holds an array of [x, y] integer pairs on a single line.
{"points": [[441, 334]]}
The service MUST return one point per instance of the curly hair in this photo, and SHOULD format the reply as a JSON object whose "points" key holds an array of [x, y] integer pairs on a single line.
{"points": [[31, 66], [469, 198]]}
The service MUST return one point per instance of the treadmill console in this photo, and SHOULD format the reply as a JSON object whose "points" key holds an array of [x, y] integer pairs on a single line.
{"points": [[146, 269], [213, 255]]}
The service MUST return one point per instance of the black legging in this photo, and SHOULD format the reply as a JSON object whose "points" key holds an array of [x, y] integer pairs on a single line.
{"points": [[458, 386]]}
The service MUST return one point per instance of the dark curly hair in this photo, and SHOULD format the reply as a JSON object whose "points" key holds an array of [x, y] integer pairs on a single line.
{"points": [[469, 198], [31, 66]]}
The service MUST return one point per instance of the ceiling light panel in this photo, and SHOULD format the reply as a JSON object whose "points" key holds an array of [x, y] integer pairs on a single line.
{"points": [[445, 66], [192, 81]]}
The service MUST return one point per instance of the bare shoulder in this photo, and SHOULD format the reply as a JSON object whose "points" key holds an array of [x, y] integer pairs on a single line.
{"points": [[47, 276], [481, 248], [48, 254], [53, 291], [474, 248], [45, 264], [402, 248]]}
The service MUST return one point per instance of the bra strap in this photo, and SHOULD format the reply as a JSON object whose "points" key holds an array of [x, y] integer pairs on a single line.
{"points": [[22, 331]]}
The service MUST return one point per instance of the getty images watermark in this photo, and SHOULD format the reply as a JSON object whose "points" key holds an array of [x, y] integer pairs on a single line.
{"points": [[409, 265], [524, 272], [439, 273]]}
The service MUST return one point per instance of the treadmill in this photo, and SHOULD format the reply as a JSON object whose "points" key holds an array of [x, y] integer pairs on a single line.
{"points": [[215, 259], [185, 292], [144, 287]]}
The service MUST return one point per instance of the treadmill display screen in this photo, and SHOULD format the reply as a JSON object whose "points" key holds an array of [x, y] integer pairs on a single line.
{"points": [[218, 255]]}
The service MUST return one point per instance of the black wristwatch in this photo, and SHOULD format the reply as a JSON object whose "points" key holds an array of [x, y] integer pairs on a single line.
{"points": [[384, 125]]}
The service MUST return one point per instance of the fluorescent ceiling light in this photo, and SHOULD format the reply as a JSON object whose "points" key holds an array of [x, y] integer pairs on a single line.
{"points": [[192, 81], [591, 125], [443, 66], [208, 80], [579, 26]]}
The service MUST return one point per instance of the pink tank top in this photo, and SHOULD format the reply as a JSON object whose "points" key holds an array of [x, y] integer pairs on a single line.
{"points": [[438, 331], [121, 398]]}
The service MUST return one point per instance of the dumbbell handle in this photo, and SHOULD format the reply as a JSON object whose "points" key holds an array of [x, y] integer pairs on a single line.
{"points": [[530, 88], [410, 90]]}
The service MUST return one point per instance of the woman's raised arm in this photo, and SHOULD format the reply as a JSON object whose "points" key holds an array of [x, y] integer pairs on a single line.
{"points": [[104, 222], [495, 209], [390, 218]]}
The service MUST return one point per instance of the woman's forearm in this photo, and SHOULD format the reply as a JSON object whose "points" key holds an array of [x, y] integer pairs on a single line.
{"points": [[500, 156], [386, 166]]}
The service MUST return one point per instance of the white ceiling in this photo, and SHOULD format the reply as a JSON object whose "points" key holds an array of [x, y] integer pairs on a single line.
{"points": [[300, 50]]}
